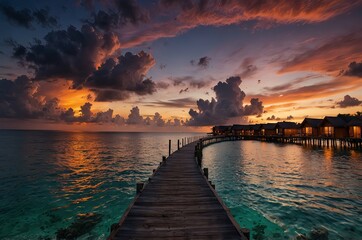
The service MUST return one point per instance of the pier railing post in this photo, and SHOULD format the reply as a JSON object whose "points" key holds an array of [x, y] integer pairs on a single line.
{"points": [[206, 172], [169, 147], [139, 187], [246, 233]]}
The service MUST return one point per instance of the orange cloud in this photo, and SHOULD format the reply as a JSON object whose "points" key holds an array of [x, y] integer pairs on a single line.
{"points": [[221, 13]]}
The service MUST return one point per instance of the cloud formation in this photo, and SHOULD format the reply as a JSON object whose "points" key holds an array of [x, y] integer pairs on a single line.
{"points": [[273, 118], [349, 101], [87, 116], [26, 17], [228, 104], [193, 13], [70, 54], [122, 12], [327, 57], [354, 69], [191, 82], [202, 62], [20, 99], [117, 78]]}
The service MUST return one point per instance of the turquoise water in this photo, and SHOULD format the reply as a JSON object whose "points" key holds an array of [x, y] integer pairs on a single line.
{"points": [[279, 191], [59, 182]]}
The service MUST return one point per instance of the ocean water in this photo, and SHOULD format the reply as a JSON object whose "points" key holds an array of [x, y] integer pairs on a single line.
{"points": [[280, 191], [80, 183], [61, 183]]}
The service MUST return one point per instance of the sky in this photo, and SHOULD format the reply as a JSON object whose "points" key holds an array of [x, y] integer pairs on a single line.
{"points": [[169, 65]]}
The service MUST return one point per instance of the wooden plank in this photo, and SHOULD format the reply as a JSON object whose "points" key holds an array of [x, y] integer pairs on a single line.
{"points": [[177, 203]]}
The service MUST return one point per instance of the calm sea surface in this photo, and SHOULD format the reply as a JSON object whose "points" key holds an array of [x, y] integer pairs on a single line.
{"points": [[57, 182], [282, 190]]}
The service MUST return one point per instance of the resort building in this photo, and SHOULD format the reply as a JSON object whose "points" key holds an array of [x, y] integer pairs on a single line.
{"points": [[335, 127], [221, 130], [355, 127], [310, 127], [240, 130], [287, 129], [268, 129], [255, 130]]}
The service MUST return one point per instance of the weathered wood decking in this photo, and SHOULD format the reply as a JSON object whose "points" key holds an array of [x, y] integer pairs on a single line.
{"points": [[177, 203]]}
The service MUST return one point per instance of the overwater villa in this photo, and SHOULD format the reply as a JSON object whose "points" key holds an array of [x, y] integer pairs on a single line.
{"points": [[355, 127], [287, 129], [340, 127], [268, 129], [239, 130], [335, 127], [310, 127]]}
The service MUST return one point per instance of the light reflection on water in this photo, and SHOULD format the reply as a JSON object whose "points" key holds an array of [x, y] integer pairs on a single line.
{"points": [[297, 188], [49, 178]]}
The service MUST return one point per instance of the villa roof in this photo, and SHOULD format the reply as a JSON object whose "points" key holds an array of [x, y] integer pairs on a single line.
{"points": [[269, 126], [335, 121], [287, 125], [240, 127], [255, 127], [222, 128], [313, 122]]}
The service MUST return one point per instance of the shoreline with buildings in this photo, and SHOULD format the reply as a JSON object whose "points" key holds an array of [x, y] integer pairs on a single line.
{"points": [[344, 131]]}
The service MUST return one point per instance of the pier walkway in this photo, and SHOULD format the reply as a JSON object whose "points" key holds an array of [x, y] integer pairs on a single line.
{"points": [[178, 202]]}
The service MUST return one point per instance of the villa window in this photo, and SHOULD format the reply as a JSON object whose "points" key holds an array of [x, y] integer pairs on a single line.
{"points": [[308, 131]]}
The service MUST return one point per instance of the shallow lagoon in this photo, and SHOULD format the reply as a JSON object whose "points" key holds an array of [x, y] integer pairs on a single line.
{"points": [[286, 190], [55, 182]]}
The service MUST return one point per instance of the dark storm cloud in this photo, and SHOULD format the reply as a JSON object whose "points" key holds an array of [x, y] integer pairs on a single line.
{"points": [[354, 69], [25, 17], [20, 99], [131, 11], [228, 104], [120, 77], [349, 101], [22, 17], [43, 18], [122, 12], [106, 20], [68, 54]]}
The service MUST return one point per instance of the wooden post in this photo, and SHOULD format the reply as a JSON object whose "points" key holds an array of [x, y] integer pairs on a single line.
{"points": [[246, 233], [169, 147], [206, 172], [139, 187]]}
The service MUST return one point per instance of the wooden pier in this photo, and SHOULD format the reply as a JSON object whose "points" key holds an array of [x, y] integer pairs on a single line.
{"points": [[178, 202]]}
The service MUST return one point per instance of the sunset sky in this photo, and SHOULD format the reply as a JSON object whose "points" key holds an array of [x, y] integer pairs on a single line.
{"points": [[169, 65]]}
